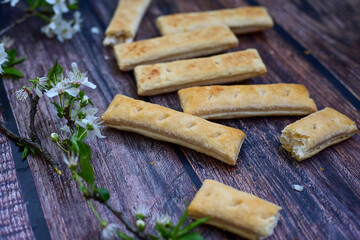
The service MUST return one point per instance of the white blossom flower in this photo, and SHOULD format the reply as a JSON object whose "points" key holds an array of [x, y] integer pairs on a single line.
{"points": [[12, 2], [77, 21], [66, 129], [92, 124], [71, 160], [77, 77], [297, 187], [110, 231], [141, 211], [7, 41], [71, 2], [22, 94], [3, 57], [40, 87], [62, 28], [95, 30], [62, 86], [59, 6], [163, 219]]}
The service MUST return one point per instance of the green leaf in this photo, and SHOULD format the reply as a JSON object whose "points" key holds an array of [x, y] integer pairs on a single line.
{"points": [[13, 72], [19, 60], [31, 3], [83, 151], [60, 111], [55, 71], [104, 194], [180, 223], [25, 152], [191, 236], [124, 236], [193, 225], [73, 7], [162, 230]]}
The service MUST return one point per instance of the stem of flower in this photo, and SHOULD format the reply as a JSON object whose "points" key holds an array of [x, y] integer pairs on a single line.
{"points": [[17, 22], [102, 222]]}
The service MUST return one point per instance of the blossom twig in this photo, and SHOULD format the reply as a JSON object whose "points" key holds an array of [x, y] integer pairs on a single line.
{"points": [[38, 148], [17, 22], [120, 216]]}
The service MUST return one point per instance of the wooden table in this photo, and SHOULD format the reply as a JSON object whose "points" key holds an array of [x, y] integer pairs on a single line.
{"points": [[315, 43]]}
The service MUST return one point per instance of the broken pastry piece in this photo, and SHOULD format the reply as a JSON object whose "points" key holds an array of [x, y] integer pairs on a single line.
{"points": [[224, 102], [310, 135], [179, 46], [225, 68], [239, 20], [125, 22], [168, 125], [235, 211]]}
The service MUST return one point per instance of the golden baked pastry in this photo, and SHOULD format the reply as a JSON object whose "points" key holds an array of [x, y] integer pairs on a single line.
{"points": [[239, 20], [223, 102], [310, 135], [125, 22], [151, 120], [235, 211], [179, 46], [172, 76]]}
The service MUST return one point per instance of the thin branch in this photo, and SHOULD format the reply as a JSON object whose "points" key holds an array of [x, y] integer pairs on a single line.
{"points": [[38, 149], [121, 217], [17, 22], [33, 104]]}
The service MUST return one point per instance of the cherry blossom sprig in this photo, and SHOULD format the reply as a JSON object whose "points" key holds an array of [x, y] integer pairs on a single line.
{"points": [[52, 12], [80, 123], [8, 58]]}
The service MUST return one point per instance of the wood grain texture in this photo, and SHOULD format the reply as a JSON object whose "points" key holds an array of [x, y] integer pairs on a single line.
{"points": [[328, 207], [328, 30], [14, 220]]}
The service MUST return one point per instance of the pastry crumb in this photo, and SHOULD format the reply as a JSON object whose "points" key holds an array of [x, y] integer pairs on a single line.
{"points": [[153, 162], [306, 52], [297, 187], [106, 57], [95, 30], [321, 169]]}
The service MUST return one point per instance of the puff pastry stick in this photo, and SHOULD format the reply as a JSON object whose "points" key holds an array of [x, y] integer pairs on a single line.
{"points": [[240, 20], [224, 102], [168, 125], [179, 46], [310, 135], [125, 22], [235, 211], [225, 68]]}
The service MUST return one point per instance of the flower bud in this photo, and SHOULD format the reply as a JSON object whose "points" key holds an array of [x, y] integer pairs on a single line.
{"points": [[54, 137], [141, 225]]}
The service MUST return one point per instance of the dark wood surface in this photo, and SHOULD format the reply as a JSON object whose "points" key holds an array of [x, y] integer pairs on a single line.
{"points": [[328, 208]]}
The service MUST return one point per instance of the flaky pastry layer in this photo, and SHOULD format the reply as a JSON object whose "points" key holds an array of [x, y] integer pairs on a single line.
{"points": [[235, 211], [310, 135], [224, 68], [125, 21], [239, 20], [218, 141], [183, 45], [224, 102]]}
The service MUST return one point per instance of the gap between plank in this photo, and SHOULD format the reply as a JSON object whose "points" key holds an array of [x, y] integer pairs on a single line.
{"points": [[315, 62], [23, 173]]}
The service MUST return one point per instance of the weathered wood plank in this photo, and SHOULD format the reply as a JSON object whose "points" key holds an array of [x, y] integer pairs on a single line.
{"points": [[329, 30], [326, 209], [14, 220], [267, 171], [122, 160]]}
